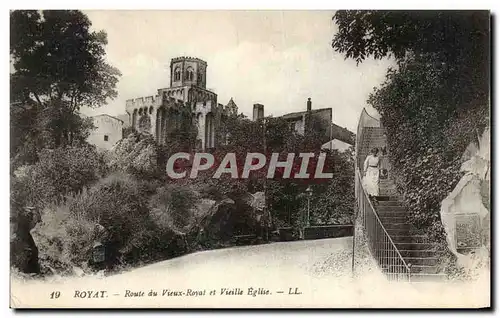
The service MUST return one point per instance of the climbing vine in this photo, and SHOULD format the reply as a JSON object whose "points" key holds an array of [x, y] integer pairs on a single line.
{"points": [[433, 103], [426, 137]]}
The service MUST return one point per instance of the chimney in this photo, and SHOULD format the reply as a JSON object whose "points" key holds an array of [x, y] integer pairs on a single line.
{"points": [[258, 111], [309, 104]]}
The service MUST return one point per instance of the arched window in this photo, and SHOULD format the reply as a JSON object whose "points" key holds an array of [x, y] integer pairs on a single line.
{"points": [[177, 74], [189, 74]]}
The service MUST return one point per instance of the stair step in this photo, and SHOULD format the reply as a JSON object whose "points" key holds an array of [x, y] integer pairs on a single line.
{"points": [[409, 245], [415, 239], [392, 219], [389, 208], [389, 203], [399, 232], [396, 226], [422, 277], [387, 186], [417, 253], [386, 182], [424, 269], [401, 277], [384, 188], [390, 214], [395, 269], [414, 261], [383, 183], [388, 198]]}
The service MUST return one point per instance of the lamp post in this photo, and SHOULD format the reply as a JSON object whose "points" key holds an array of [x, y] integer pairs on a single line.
{"points": [[309, 192], [267, 213]]}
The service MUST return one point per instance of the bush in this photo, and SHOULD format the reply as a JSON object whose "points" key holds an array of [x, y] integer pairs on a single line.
{"points": [[427, 133], [117, 203], [332, 201], [173, 207], [64, 240], [58, 172], [137, 154], [114, 212]]}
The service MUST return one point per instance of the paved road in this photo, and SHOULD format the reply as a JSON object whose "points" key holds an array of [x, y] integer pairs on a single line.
{"points": [[309, 273]]}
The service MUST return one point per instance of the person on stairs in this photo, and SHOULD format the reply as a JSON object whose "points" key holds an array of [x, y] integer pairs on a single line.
{"points": [[371, 174]]}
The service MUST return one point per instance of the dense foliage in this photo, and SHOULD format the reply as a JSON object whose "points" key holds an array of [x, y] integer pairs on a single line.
{"points": [[434, 103], [58, 172], [115, 211], [67, 198], [58, 67], [332, 200]]}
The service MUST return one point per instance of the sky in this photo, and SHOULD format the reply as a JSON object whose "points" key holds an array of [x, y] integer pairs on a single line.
{"points": [[276, 58]]}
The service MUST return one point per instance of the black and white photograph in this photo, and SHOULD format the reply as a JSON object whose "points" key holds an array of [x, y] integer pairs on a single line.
{"points": [[250, 159]]}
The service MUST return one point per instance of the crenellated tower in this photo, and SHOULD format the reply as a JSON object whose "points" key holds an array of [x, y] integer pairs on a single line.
{"points": [[160, 113], [188, 71]]}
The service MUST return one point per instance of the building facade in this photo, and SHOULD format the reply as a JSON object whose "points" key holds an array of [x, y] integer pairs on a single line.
{"points": [[186, 100], [108, 131], [318, 119]]}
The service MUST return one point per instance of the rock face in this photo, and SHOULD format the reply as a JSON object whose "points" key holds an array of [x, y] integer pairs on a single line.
{"points": [[240, 214], [465, 213], [216, 225], [23, 250], [136, 153]]}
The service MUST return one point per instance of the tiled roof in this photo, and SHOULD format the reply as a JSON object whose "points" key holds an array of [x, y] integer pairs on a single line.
{"points": [[300, 114], [109, 116]]}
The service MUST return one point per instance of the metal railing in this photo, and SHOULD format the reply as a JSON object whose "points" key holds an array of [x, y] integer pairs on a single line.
{"points": [[379, 242]]}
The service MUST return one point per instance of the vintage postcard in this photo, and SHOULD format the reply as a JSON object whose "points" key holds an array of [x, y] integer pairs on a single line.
{"points": [[249, 159]]}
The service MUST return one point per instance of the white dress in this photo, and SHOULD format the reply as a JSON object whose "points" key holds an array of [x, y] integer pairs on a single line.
{"points": [[370, 180]]}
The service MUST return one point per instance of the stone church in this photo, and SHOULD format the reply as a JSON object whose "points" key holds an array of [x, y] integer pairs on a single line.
{"points": [[187, 100]]}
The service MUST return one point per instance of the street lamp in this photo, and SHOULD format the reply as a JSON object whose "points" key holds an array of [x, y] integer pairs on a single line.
{"points": [[309, 192]]}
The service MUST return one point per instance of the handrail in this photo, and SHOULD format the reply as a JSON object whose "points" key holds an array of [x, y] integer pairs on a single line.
{"points": [[380, 242], [380, 222]]}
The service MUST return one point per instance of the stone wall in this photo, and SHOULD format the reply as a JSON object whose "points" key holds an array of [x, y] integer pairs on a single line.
{"points": [[109, 130]]}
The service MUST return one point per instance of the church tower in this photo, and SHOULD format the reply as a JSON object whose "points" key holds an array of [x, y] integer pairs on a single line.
{"points": [[165, 112], [188, 71], [188, 81]]}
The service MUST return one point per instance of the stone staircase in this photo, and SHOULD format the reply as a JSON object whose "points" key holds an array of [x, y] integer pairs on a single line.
{"points": [[415, 251], [422, 256]]}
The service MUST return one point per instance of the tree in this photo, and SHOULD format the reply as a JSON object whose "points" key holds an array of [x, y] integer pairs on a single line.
{"points": [[59, 66], [434, 103], [457, 42]]}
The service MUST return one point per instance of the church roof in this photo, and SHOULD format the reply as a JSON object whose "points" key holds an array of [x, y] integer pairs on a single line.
{"points": [[112, 117], [336, 144], [231, 103], [300, 114], [343, 134]]}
